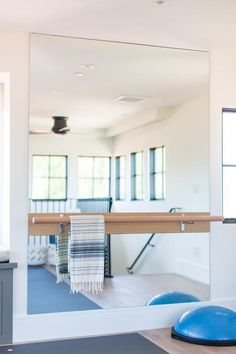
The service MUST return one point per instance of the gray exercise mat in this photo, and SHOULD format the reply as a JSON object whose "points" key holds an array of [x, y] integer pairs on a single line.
{"points": [[132, 343]]}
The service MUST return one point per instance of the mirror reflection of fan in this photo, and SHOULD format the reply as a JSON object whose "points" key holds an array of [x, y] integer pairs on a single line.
{"points": [[59, 127]]}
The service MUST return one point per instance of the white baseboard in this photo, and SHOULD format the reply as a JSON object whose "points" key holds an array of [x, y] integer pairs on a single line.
{"points": [[192, 270], [44, 327]]}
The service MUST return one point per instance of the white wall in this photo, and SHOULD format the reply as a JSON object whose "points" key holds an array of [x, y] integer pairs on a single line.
{"points": [[14, 59], [1, 160], [185, 135], [72, 146], [223, 237], [5, 160]]}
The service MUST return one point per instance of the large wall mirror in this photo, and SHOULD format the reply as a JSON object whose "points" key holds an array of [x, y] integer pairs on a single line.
{"points": [[138, 140]]}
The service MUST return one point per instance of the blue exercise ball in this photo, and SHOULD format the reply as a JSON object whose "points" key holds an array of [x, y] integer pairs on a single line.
{"points": [[174, 297], [211, 325]]}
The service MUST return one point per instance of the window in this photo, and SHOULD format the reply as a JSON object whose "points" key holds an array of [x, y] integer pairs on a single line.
{"points": [[49, 177], [120, 177], [137, 176], [94, 177], [157, 173], [229, 163]]}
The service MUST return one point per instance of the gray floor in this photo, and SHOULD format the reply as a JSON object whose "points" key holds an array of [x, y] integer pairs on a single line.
{"points": [[120, 344], [135, 290]]}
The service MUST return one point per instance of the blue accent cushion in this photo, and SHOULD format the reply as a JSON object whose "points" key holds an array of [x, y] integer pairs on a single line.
{"points": [[172, 298], [210, 323]]}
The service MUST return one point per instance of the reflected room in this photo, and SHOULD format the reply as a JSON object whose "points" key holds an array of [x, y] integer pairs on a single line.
{"points": [[117, 127]]}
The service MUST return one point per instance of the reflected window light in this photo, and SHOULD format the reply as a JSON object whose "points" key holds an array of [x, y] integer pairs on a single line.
{"points": [[94, 177], [137, 175], [157, 173], [49, 177], [120, 177]]}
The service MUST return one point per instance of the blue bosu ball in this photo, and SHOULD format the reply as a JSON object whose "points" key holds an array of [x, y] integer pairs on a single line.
{"points": [[211, 325], [171, 298]]}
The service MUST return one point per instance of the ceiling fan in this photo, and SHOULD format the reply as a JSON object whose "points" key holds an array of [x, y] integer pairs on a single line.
{"points": [[59, 127]]}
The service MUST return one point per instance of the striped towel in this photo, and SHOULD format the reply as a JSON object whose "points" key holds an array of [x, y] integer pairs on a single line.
{"points": [[86, 253], [62, 254]]}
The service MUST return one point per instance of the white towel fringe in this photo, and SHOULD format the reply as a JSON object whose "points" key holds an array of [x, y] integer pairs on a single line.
{"points": [[61, 277], [86, 287]]}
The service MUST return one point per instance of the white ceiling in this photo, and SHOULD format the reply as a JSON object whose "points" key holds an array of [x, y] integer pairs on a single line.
{"points": [[196, 24], [200, 24], [165, 77]]}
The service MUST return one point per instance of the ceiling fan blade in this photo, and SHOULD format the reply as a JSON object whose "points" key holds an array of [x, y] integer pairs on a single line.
{"points": [[38, 132], [64, 129]]}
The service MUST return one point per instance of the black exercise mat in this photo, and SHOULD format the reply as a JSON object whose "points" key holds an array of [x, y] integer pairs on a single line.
{"points": [[132, 343]]}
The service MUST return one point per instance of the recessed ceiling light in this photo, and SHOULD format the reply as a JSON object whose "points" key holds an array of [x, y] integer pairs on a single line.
{"points": [[54, 92], [130, 99], [159, 2], [87, 66], [62, 92], [79, 74]]}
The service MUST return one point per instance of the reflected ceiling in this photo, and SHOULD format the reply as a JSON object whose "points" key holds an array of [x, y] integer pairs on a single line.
{"points": [[156, 77]]}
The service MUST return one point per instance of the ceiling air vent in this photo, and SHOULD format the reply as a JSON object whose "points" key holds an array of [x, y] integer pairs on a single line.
{"points": [[130, 99]]}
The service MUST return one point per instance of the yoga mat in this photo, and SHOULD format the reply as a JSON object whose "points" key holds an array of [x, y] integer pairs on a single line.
{"points": [[46, 296], [119, 344]]}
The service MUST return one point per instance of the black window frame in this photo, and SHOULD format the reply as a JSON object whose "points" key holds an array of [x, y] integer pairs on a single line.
{"points": [[94, 178], [65, 178], [153, 172], [134, 176], [118, 178]]}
